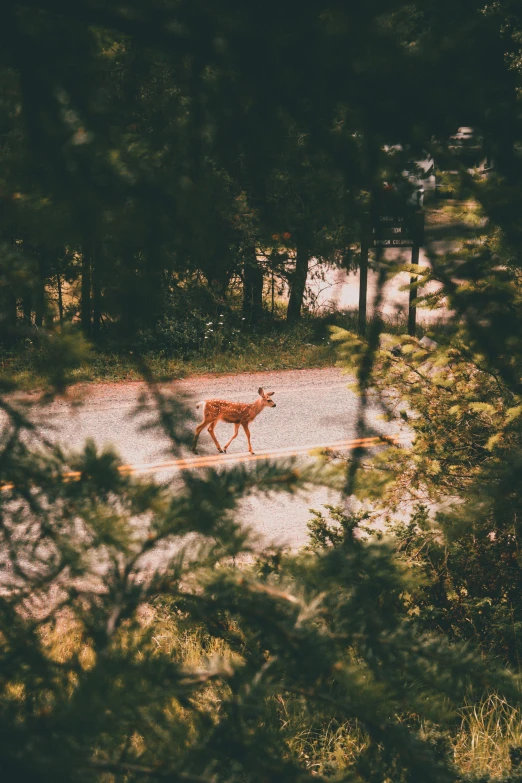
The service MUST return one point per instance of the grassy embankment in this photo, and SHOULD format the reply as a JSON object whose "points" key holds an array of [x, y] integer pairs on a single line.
{"points": [[295, 348], [303, 346]]}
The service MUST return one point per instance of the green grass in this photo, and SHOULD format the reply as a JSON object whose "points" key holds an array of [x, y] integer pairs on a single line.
{"points": [[266, 353], [451, 212], [303, 346], [269, 352], [481, 741]]}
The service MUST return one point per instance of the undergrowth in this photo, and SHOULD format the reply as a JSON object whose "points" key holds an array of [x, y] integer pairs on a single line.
{"points": [[488, 733], [489, 737], [276, 346]]}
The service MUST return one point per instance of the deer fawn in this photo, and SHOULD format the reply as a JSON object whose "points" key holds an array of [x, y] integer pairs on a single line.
{"points": [[236, 413]]}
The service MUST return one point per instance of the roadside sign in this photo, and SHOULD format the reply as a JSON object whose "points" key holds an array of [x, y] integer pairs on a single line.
{"points": [[391, 224], [396, 230]]}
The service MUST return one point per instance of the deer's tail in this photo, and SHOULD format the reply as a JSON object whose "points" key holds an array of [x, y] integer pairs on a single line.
{"points": [[200, 403]]}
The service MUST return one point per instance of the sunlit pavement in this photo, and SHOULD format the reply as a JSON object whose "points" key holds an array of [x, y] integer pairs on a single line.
{"points": [[315, 411]]}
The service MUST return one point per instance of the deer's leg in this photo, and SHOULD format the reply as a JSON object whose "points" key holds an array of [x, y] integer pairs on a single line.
{"points": [[247, 433], [236, 430], [211, 431], [199, 428]]}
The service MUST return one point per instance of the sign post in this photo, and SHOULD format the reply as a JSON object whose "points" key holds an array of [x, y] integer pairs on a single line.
{"points": [[412, 309], [391, 225], [363, 281]]}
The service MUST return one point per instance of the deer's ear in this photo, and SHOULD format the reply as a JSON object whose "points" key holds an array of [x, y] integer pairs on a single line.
{"points": [[260, 391], [269, 394]]}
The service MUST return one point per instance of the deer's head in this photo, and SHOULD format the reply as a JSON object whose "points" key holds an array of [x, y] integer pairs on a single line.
{"points": [[267, 402]]}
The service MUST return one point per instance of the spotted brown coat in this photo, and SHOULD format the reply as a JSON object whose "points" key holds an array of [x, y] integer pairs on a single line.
{"points": [[236, 413]]}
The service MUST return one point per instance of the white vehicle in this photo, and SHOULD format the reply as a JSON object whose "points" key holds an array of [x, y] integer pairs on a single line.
{"points": [[422, 177], [420, 174]]}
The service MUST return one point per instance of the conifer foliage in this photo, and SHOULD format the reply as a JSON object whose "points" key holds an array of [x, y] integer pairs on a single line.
{"points": [[103, 576], [142, 634]]}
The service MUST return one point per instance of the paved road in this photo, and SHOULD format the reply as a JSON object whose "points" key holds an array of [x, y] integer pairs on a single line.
{"points": [[314, 408]]}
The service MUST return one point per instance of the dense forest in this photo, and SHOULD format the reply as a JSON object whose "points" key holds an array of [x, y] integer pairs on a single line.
{"points": [[168, 161]]}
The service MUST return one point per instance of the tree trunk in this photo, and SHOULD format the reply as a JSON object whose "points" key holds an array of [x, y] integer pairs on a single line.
{"points": [[27, 308], [96, 290], [252, 288], [39, 303], [7, 315], [60, 297], [8, 304], [85, 312], [298, 285], [128, 306]]}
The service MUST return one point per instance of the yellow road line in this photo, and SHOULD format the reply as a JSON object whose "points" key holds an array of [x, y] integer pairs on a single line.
{"points": [[220, 459], [209, 460]]}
